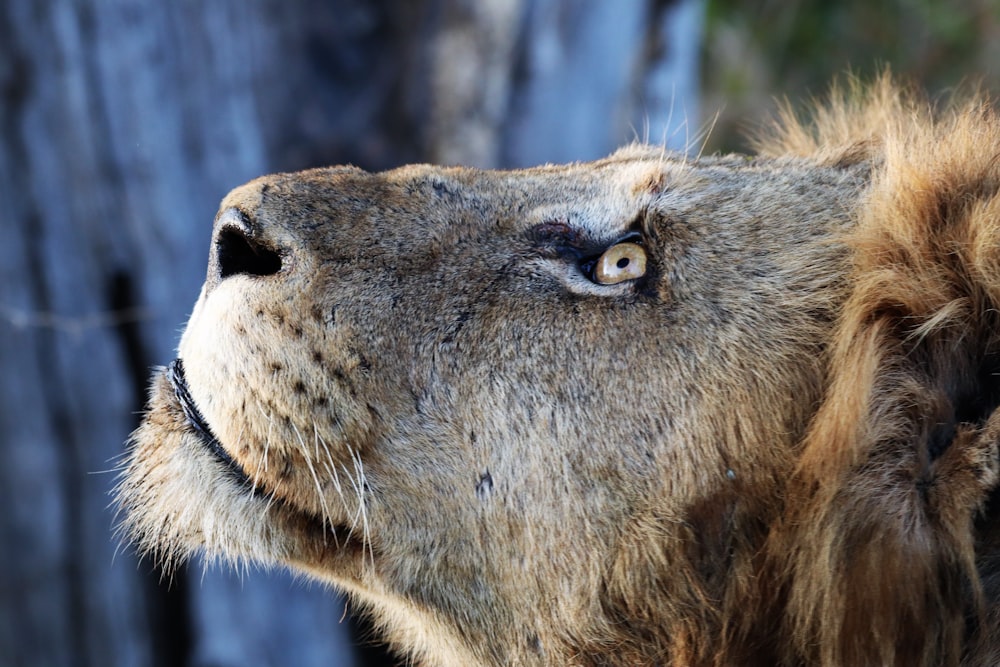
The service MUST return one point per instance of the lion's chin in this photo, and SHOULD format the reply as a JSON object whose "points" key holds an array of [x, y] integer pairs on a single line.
{"points": [[181, 494]]}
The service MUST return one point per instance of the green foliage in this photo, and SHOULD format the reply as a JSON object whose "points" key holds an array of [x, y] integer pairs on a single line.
{"points": [[760, 50]]}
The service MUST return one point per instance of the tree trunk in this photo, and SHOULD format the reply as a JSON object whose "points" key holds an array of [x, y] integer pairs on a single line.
{"points": [[122, 124]]}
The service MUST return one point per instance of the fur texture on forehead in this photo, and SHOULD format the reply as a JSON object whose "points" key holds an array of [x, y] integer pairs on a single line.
{"points": [[779, 446]]}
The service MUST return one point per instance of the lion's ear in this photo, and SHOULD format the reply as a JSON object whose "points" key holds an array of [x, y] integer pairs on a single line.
{"points": [[877, 549]]}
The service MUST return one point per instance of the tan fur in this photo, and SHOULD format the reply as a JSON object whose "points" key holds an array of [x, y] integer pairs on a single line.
{"points": [[778, 448]]}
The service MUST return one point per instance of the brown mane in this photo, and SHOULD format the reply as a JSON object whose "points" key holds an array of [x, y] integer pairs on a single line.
{"points": [[877, 550]]}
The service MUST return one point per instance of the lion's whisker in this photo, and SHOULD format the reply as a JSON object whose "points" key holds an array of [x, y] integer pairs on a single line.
{"points": [[320, 496], [330, 467], [362, 505], [318, 442]]}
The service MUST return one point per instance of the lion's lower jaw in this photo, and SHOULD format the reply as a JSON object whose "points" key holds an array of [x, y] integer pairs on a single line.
{"points": [[177, 500], [180, 501]]}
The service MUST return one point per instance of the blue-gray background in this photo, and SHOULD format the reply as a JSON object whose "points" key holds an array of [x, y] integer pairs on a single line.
{"points": [[123, 122]]}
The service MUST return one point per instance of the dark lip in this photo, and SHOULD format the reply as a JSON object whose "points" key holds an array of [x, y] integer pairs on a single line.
{"points": [[175, 374]]}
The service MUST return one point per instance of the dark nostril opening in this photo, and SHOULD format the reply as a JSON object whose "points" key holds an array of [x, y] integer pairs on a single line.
{"points": [[239, 254]]}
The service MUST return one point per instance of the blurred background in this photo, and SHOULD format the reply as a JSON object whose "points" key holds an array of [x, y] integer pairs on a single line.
{"points": [[124, 122]]}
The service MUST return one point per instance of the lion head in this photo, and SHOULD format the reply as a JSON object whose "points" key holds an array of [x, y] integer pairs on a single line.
{"points": [[646, 410]]}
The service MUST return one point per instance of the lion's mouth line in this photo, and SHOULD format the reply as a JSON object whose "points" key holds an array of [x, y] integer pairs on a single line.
{"points": [[175, 374], [178, 381]]}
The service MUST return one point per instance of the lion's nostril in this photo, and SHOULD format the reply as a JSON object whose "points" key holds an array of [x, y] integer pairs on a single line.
{"points": [[239, 254]]}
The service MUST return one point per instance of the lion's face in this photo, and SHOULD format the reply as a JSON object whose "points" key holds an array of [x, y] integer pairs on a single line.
{"points": [[423, 387]]}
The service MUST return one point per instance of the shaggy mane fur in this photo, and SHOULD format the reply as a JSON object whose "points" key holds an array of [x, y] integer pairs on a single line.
{"points": [[876, 554]]}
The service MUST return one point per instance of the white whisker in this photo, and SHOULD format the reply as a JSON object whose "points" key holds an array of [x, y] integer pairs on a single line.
{"points": [[327, 463], [330, 467], [707, 132], [321, 497], [362, 505], [358, 495], [272, 496]]}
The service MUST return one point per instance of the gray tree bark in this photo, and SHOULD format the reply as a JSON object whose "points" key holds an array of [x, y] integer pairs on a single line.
{"points": [[122, 124]]}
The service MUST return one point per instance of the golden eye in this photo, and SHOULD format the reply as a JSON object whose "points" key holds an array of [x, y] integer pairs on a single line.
{"points": [[620, 262]]}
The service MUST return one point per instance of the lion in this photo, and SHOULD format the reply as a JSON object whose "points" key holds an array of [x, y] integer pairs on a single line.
{"points": [[650, 410]]}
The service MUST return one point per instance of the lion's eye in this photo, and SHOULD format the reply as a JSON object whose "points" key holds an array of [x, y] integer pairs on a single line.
{"points": [[620, 262]]}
